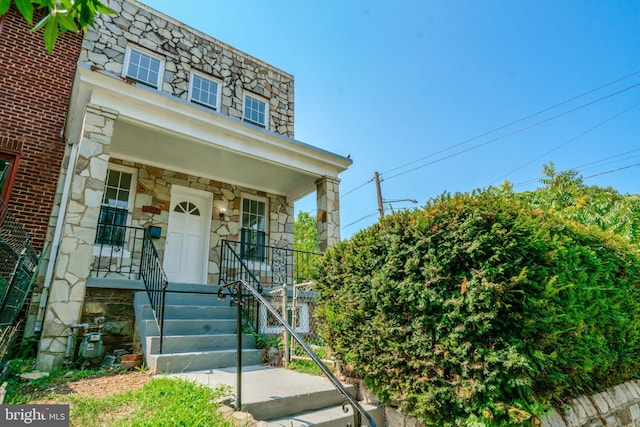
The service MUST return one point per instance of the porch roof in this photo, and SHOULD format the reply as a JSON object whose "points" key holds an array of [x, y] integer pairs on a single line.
{"points": [[161, 130]]}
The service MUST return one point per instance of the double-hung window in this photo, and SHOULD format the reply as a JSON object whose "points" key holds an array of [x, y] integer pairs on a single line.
{"points": [[255, 111], [254, 229], [204, 91], [117, 201], [143, 67]]}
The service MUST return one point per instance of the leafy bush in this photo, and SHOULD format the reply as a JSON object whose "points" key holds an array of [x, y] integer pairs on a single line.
{"points": [[480, 310]]}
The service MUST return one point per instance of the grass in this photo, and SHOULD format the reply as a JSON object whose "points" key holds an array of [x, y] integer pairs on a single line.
{"points": [[305, 367], [161, 402]]}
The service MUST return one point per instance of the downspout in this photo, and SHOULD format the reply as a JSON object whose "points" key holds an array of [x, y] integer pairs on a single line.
{"points": [[53, 255]]}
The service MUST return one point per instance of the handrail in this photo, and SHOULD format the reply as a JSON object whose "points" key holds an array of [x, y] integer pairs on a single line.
{"points": [[155, 281], [359, 411]]}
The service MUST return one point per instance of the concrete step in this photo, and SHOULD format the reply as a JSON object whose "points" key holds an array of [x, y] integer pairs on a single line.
{"points": [[333, 416], [191, 312], [190, 343], [285, 397], [201, 360], [202, 295], [189, 327], [296, 404]]}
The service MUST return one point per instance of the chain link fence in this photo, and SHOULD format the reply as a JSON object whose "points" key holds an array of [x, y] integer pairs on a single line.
{"points": [[296, 304]]}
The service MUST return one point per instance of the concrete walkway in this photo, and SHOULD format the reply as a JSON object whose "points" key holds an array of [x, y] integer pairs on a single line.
{"points": [[261, 383], [282, 397]]}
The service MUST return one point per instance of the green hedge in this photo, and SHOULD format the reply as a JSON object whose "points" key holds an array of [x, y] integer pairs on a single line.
{"points": [[480, 310]]}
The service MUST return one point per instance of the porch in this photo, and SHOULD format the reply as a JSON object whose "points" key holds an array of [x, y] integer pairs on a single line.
{"points": [[120, 253], [140, 161]]}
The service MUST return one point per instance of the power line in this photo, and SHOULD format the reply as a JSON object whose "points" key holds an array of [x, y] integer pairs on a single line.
{"points": [[360, 219], [567, 142], [514, 122], [515, 131], [357, 188], [592, 164], [612, 171], [490, 132], [624, 159], [607, 158]]}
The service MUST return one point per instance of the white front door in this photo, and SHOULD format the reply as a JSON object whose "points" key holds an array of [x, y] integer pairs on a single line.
{"points": [[186, 251]]}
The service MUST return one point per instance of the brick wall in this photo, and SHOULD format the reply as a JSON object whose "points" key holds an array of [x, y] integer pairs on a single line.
{"points": [[34, 95]]}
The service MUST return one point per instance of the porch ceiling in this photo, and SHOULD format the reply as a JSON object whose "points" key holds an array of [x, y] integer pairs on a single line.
{"points": [[159, 148], [157, 129]]}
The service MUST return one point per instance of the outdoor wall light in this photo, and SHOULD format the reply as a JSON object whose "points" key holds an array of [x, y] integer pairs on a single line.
{"points": [[222, 212]]}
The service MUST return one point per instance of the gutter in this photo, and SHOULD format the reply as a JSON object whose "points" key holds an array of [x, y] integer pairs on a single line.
{"points": [[53, 255]]}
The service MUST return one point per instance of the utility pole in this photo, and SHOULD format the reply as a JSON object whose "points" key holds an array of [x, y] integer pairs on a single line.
{"points": [[376, 177]]}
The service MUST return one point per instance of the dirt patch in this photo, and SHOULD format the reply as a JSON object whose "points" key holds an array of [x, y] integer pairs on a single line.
{"points": [[101, 386]]}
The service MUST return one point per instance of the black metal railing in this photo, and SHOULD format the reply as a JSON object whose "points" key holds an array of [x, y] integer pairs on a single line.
{"points": [[118, 251], [271, 266], [242, 293], [234, 268], [155, 281], [18, 265]]}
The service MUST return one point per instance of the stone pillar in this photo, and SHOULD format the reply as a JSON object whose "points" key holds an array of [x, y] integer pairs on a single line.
{"points": [[75, 253], [328, 217]]}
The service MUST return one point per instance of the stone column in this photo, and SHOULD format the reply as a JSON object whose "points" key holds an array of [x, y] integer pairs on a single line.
{"points": [[75, 253], [328, 217]]}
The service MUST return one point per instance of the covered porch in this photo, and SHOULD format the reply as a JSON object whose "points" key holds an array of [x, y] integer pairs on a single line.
{"points": [[149, 168]]}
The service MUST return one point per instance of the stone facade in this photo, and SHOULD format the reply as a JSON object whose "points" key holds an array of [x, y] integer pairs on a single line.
{"points": [[154, 189], [328, 216], [121, 116], [67, 290], [185, 49]]}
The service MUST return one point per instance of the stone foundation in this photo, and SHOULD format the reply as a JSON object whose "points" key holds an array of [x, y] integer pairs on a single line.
{"points": [[115, 307], [618, 406]]}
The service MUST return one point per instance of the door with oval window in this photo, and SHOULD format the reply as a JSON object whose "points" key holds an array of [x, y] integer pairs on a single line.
{"points": [[186, 251]]}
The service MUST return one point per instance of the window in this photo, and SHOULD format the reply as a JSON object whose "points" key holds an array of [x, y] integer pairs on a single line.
{"points": [[255, 111], [204, 91], [8, 167], [143, 67], [116, 202], [253, 222]]}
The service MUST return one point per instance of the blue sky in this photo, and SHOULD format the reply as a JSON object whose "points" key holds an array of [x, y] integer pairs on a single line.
{"points": [[413, 88]]}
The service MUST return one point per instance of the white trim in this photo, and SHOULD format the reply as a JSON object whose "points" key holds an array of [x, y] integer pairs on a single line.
{"points": [[175, 193], [259, 99], [267, 212], [100, 248], [210, 79], [141, 51], [132, 186]]}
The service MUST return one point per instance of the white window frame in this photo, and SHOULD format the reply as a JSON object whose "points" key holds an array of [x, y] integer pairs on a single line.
{"points": [[266, 109], [218, 84], [266, 211], [127, 61], [106, 249]]}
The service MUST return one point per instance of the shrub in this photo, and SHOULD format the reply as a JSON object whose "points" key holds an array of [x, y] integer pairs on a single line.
{"points": [[480, 310]]}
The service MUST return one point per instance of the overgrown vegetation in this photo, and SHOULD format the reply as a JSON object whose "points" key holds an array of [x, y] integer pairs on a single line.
{"points": [[480, 309], [566, 195]]}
